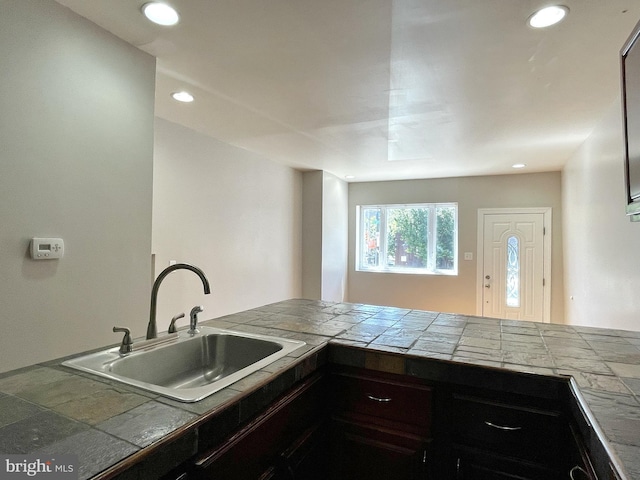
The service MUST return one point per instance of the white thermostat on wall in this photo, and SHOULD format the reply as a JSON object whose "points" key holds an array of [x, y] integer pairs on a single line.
{"points": [[47, 248]]}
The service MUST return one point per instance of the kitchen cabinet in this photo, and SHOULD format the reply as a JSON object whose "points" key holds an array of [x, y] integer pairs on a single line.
{"points": [[354, 423], [287, 441], [493, 435], [380, 426]]}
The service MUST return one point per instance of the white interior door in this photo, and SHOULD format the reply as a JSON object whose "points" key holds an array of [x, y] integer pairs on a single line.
{"points": [[513, 273]]}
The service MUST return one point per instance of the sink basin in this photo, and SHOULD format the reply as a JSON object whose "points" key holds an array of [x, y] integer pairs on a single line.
{"points": [[188, 367]]}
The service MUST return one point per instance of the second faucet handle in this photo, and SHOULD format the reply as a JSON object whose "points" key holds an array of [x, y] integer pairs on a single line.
{"points": [[193, 319], [126, 345], [172, 325]]}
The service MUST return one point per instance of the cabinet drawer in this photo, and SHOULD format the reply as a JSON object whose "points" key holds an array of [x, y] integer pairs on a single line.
{"points": [[513, 430], [388, 399]]}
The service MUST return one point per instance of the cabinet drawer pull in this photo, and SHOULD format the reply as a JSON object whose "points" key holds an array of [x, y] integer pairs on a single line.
{"points": [[379, 399], [501, 427], [580, 475]]}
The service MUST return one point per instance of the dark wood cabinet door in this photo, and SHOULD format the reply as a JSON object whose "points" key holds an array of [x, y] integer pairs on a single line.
{"points": [[472, 464], [255, 451], [381, 426], [307, 458], [368, 452]]}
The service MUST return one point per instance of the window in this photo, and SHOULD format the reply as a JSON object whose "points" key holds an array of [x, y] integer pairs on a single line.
{"points": [[417, 238], [513, 272]]}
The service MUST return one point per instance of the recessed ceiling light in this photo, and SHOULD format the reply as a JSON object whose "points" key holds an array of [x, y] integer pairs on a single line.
{"points": [[547, 16], [518, 165], [349, 177], [182, 96], [160, 13]]}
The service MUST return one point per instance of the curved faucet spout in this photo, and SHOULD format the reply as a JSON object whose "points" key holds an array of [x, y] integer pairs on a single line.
{"points": [[152, 329]]}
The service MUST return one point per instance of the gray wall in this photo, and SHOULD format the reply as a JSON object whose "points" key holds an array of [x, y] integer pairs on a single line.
{"points": [[602, 264], [230, 212], [456, 294], [76, 131], [312, 193]]}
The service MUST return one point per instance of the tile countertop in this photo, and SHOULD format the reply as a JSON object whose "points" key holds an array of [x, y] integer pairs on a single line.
{"points": [[125, 432]]}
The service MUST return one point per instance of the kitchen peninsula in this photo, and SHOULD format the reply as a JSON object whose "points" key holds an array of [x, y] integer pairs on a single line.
{"points": [[119, 431]]}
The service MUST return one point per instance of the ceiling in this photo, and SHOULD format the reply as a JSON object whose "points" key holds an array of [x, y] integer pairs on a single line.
{"points": [[384, 89]]}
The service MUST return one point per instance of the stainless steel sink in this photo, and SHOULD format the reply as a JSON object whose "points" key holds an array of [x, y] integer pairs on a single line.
{"points": [[188, 367]]}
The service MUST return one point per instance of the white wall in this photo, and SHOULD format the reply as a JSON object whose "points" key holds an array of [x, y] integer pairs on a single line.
{"points": [[324, 236], [76, 131], [335, 223], [602, 266], [444, 293], [230, 212]]}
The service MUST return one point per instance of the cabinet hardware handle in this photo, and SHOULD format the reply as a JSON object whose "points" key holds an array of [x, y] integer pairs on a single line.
{"points": [[502, 427], [575, 469], [379, 399]]}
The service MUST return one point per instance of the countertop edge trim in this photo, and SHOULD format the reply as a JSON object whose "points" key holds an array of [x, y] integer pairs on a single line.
{"points": [[584, 407]]}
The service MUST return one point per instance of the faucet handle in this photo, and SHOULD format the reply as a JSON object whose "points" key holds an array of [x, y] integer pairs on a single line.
{"points": [[127, 343], [193, 319], [172, 325]]}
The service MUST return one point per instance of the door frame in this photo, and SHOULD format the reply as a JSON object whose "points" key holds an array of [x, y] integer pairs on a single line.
{"points": [[546, 242]]}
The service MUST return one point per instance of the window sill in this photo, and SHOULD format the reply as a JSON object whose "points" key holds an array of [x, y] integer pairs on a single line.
{"points": [[409, 271]]}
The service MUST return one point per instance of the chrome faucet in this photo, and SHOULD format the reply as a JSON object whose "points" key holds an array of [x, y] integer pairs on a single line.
{"points": [[172, 324], [152, 329], [193, 319], [127, 344]]}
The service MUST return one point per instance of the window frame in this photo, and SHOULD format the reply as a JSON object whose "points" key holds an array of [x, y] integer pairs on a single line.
{"points": [[432, 236]]}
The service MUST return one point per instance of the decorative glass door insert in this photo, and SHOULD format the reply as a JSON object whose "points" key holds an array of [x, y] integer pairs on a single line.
{"points": [[513, 272]]}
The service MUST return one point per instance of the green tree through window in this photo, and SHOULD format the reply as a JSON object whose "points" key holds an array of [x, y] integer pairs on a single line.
{"points": [[418, 238], [407, 236], [446, 237]]}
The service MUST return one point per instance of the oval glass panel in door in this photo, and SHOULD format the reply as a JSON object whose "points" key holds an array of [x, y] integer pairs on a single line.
{"points": [[513, 272]]}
